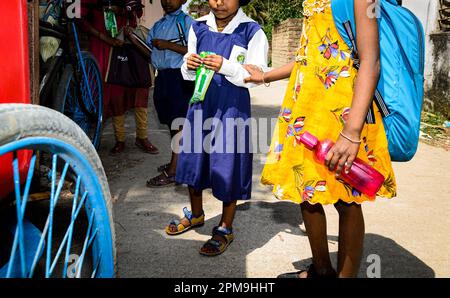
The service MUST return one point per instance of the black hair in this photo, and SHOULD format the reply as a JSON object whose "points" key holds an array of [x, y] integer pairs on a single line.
{"points": [[243, 2]]}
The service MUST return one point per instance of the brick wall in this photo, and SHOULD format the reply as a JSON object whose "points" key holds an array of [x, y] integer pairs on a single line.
{"points": [[285, 41]]}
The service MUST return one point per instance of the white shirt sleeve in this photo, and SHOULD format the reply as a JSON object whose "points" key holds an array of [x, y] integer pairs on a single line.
{"points": [[189, 75], [257, 54]]}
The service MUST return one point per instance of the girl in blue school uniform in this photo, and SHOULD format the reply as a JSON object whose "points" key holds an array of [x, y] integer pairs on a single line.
{"points": [[226, 167]]}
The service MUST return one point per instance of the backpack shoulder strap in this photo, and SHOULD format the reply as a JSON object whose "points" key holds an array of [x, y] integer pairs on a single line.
{"points": [[344, 12], [344, 18], [181, 24]]}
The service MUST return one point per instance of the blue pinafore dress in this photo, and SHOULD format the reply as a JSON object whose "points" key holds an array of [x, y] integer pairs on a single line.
{"points": [[215, 146]]}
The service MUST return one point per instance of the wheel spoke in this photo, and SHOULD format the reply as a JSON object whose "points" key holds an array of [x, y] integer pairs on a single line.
{"points": [[69, 244], [40, 247], [94, 273], [51, 213], [69, 231], [18, 237], [21, 206], [85, 245]]}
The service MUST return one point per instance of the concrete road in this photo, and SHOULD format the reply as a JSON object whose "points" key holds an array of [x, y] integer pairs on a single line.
{"points": [[410, 234]]}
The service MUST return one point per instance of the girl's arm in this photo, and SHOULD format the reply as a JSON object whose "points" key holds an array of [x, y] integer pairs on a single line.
{"points": [[191, 59], [344, 152], [88, 28], [257, 54], [128, 33], [162, 44], [257, 76]]}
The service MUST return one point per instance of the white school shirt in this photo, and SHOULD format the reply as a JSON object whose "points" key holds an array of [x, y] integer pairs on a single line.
{"points": [[234, 72]]}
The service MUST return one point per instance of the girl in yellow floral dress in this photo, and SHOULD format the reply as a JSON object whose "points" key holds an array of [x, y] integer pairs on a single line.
{"points": [[330, 99]]}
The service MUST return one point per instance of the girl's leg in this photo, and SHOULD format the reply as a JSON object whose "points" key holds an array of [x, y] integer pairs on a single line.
{"points": [[351, 238], [140, 96], [118, 112], [168, 171], [316, 228], [228, 212], [196, 202], [172, 167]]}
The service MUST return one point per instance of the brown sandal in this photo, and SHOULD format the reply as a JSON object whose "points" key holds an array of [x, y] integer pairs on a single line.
{"points": [[162, 180], [217, 247], [118, 148], [146, 146], [163, 167]]}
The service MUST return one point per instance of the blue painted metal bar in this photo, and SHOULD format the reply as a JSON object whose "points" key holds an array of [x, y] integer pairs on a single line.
{"points": [[80, 58], [26, 191], [69, 244], [18, 237], [39, 249], [66, 235], [85, 246], [94, 273], [51, 211], [62, 179]]}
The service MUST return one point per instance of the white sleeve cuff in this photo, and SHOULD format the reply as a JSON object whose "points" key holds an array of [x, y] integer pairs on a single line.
{"points": [[228, 68], [188, 75]]}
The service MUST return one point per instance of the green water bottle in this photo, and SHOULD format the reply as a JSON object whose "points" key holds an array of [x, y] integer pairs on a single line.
{"points": [[202, 81], [110, 21]]}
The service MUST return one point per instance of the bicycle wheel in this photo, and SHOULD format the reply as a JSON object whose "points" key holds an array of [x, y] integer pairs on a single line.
{"points": [[84, 106], [71, 234], [92, 94]]}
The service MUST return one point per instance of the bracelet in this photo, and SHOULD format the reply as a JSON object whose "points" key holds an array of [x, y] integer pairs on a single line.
{"points": [[349, 139], [264, 82]]}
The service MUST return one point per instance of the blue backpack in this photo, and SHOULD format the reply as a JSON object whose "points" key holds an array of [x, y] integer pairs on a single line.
{"points": [[399, 94]]}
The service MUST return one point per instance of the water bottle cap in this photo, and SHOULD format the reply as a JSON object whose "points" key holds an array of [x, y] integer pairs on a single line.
{"points": [[308, 140]]}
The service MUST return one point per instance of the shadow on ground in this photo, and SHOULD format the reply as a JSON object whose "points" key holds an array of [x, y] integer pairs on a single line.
{"points": [[144, 250], [178, 256], [395, 261]]}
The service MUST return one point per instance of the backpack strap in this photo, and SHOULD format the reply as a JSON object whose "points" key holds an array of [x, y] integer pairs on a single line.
{"points": [[378, 98], [181, 26]]}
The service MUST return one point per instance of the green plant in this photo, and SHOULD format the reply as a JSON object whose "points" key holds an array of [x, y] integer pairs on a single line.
{"points": [[270, 13]]}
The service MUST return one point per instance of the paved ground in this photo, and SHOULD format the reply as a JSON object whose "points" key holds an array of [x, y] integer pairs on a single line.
{"points": [[411, 233]]}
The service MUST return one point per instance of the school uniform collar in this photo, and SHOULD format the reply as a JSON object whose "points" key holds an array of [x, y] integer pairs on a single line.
{"points": [[173, 14], [238, 19]]}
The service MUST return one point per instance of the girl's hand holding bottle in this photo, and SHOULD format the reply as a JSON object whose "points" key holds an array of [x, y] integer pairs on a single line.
{"points": [[213, 62], [343, 153], [194, 61]]}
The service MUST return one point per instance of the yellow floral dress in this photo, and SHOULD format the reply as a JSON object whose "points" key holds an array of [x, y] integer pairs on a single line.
{"points": [[318, 100]]}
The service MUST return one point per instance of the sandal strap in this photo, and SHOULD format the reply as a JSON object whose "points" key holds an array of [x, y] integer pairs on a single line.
{"points": [[167, 175], [188, 214], [221, 231], [175, 222], [213, 243]]}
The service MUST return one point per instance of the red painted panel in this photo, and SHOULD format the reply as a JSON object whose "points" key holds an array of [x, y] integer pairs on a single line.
{"points": [[14, 67], [14, 76]]}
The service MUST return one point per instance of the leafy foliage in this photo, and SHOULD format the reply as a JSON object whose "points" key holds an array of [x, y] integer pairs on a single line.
{"points": [[270, 13]]}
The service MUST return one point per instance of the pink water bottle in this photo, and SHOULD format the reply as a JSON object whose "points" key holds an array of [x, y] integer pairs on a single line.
{"points": [[361, 176]]}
